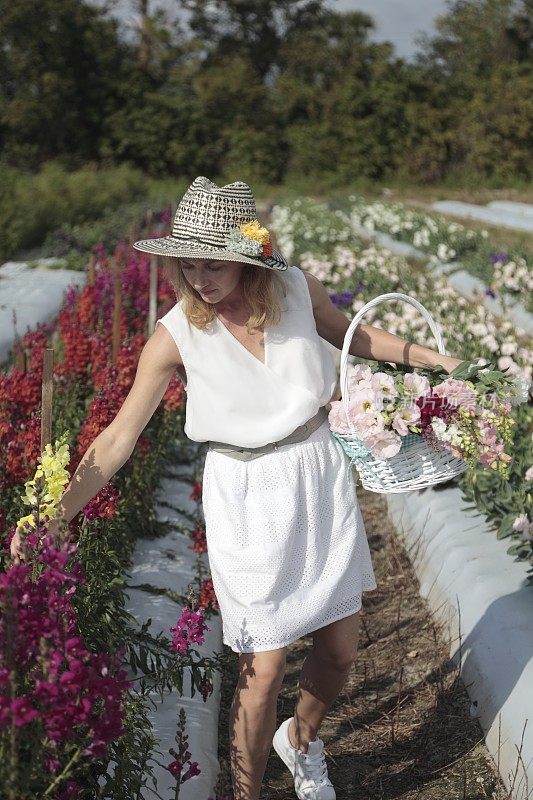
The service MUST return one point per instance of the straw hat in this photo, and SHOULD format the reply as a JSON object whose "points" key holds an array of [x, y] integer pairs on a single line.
{"points": [[217, 222]]}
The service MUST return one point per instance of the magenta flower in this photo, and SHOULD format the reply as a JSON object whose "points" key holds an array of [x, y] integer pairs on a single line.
{"points": [[69, 694], [188, 630]]}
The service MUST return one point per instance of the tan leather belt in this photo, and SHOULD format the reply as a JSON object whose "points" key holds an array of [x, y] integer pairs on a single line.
{"points": [[299, 435]]}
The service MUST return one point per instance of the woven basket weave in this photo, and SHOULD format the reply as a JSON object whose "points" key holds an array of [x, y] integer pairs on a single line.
{"points": [[417, 464]]}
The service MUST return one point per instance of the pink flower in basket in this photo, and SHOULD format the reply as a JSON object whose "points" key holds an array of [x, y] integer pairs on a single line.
{"points": [[384, 385], [359, 376], [457, 393], [337, 418], [364, 402], [384, 444], [404, 416], [416, 385]]}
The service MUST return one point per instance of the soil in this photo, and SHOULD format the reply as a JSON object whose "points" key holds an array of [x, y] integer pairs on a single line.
{"points": [[401, 727]]}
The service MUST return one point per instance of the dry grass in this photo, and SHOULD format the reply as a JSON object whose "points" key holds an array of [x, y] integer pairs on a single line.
{"points": [[401, 728]]}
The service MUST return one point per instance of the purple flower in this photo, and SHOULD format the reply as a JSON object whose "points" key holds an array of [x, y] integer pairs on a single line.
{"points": [[341, 298], [490, 293], [495, 257]]}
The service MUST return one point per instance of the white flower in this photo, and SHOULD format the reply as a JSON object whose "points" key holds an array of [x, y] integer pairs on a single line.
{"points": [[418, 385], [439, 427], [523, 525], [508, 348], [519, 390], [529, 474]]}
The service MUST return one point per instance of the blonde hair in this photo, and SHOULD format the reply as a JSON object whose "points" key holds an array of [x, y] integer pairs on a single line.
{"points": [[263, 289]]}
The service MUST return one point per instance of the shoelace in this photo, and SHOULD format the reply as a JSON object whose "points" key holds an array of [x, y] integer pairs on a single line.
{"points": [[315, 766]]}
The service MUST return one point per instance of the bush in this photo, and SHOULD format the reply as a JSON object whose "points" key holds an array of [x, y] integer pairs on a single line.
{"points": [[33, 205]]}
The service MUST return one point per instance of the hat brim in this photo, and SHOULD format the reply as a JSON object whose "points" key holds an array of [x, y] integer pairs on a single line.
{"points": [[169, 246]]}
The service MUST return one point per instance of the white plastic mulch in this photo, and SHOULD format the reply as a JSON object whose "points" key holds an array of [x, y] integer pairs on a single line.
{"points": [[168, 562], [481, 594], [34, 294], [503, 213]]}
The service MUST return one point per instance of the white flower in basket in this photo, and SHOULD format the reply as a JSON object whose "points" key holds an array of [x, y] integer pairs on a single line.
{"points": [[403, 433]]}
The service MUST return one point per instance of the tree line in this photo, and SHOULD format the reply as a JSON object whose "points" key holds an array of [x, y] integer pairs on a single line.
{"points": [[268, 90]]}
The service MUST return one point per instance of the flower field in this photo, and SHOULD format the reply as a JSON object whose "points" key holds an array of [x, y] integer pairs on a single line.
{"points": [[76, 669], [323, 242], [508, 275]]}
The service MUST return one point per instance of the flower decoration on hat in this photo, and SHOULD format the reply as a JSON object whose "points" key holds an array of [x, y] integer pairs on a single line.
{"points": [[250, 239]]}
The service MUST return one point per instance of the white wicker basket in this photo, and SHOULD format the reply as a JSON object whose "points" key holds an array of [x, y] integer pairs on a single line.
{"points": [[417, 464]]}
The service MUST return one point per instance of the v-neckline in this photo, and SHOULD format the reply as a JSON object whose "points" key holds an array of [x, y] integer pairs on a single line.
{"points": [[238, 342]]}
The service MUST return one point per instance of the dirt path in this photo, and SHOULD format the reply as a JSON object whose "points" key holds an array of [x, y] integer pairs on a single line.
{"points": [[402, 726]]}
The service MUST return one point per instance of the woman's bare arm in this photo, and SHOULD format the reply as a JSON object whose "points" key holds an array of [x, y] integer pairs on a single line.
{"points": [[110, 450], [369, 341]]}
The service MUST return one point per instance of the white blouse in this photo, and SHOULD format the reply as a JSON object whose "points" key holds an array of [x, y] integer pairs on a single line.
{"points": [[233, 397]]}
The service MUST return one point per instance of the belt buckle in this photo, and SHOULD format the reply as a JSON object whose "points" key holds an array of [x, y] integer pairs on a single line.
{"points": [[275, 445]]}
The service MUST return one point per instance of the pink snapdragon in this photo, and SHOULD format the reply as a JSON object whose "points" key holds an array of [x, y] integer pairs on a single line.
{"points": [[51, 684], [457, 393], [182, 756], [188, 630]]}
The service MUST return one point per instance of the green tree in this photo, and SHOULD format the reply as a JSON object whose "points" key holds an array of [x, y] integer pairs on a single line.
{"points": [[341, 98], [481, 58], [252, 28], [58, 62]]}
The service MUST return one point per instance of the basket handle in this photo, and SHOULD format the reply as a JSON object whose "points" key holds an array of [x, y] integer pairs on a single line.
{"points": [[355, 322]]}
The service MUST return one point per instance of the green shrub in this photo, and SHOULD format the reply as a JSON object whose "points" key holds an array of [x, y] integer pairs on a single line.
{"points": [[33, 205]]}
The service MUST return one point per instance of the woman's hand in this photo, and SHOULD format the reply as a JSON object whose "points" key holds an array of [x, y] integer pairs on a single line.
{"points": [[448, 362], [17, 548]]}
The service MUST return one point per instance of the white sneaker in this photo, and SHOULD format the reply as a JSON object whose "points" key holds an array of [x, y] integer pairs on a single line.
{"points": [[309, 770]]}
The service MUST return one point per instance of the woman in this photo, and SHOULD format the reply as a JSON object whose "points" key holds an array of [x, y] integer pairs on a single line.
{"points": [[286, 541]]}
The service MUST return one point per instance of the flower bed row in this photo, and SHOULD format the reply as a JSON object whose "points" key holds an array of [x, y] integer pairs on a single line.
{"points": [[68, 708], [507, 275], [323, 242]]}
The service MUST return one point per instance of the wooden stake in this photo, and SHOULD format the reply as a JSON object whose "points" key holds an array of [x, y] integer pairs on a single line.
{"points": [[116, 310], [46, 397], [91, 271], [148, 220], [134, 233], [152, 308], [20, 356]]}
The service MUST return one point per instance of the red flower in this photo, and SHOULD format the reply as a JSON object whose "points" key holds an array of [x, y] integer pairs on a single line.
{"points": [[174, 396], [208, 598], [199, 544], [103, 504], [196, 494]]}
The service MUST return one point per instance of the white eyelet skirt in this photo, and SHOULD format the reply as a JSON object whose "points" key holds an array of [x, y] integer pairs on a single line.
{"points": [[286, 542]]}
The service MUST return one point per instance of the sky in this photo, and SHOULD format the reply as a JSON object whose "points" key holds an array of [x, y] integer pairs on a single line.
{"points": [[397, 21]]}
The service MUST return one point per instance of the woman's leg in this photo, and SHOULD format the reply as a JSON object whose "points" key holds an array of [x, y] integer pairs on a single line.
{"points": [[252, 720], [324, 673]]}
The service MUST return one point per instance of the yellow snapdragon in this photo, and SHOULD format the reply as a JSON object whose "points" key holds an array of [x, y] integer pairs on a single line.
{"points": [[52, 477]]}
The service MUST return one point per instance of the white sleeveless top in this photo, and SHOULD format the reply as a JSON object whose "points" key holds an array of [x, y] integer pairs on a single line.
{"points": [[233, 397]]}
